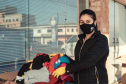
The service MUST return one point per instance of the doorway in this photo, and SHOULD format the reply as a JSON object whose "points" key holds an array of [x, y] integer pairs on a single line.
{"points": [[117, 38]]}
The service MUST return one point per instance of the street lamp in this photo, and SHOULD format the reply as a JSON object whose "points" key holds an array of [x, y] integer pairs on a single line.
{"points": [[53, 22]]}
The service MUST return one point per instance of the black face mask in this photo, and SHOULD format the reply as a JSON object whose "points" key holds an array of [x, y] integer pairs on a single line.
{"points": [[87, 28]]}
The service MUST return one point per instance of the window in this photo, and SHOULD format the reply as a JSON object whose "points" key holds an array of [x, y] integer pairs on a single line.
{"points": [[49, 30], [6, 20], [9, 20], [7, 25], [72, 30], [3, 15], [67, 30], [76, 30], [73, 39], [19, 43], [60, 30], [17, 19], [39, 31]]}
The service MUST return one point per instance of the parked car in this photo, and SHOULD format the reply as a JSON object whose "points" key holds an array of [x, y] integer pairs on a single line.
{"points": [[68, 47]]}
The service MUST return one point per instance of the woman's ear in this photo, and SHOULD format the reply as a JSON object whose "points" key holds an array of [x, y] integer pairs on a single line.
{"points": [[95, 22]]}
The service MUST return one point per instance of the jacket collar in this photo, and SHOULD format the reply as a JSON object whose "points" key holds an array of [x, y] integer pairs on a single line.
{"points": [[82, 36]]}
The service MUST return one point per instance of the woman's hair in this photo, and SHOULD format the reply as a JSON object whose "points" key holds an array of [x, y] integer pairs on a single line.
{"points": [[92, 14]]}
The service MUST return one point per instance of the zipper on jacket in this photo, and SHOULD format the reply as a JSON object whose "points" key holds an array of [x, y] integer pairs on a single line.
{"points": [[79, 60], [97, 75]]}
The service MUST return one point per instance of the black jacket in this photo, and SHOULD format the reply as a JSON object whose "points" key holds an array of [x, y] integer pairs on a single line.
{"points": [[90, 59]]}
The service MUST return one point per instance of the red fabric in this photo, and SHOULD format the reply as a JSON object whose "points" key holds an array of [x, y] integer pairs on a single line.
{"points": [[41, 83], [62, 65], [52, 79], [64, 76], [68, 79], [50, 64], [50, 67], [40, 54]]}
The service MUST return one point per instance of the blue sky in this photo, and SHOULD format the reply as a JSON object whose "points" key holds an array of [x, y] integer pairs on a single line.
{"points": [[43, 9]]}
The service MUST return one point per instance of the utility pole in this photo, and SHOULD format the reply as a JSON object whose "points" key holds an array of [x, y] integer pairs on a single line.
{"points": [[57, 29], [65, 19]]}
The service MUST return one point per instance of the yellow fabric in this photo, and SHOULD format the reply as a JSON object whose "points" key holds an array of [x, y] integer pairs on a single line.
{"points": [[59, 71], [30, 67], [51, 55], [22, 75], [30, 61], [42, 64], [61, 54]]}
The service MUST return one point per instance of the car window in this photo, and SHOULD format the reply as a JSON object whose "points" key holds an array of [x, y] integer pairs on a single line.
{"points": [[73, 39]]}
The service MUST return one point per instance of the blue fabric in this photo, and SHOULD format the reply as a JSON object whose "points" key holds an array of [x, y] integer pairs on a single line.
{"points": [[62, 59], [67, 82], [57, 63]]}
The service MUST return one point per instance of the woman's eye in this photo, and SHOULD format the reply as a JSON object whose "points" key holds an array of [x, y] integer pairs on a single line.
{"points": [[82, 22], [87, 21]]}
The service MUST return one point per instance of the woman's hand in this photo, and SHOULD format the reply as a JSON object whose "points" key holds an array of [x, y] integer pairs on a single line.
{"points": [[59, 71]]}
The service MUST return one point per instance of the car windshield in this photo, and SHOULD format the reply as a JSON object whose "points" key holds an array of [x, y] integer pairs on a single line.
{"points": [[72, 39]]}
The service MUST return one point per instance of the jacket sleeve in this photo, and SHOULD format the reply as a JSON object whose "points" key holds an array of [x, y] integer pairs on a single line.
{"points": [[70, 59], [96, 52]]}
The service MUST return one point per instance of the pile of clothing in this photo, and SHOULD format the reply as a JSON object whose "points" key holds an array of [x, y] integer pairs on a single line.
{"points": [[40, 69]]}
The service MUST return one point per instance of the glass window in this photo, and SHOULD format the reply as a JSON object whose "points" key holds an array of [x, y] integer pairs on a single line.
{"points": [[17, 19], [21, 42], [39, 31], [6, 20], [13, 19], [72, 30], [7, 25], [9, 20], [72, 39], [3, 15], [49, 30], [67, 30], [60, 30]]}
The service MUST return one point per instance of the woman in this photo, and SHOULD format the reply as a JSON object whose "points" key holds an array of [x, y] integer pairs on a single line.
{"points": [[91, 53]]}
